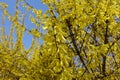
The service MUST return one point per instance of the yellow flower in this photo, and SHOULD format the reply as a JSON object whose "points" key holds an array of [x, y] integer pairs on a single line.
{"points": [[35, 32]]}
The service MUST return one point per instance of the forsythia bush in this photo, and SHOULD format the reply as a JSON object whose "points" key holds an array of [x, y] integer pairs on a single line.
{"points": [[81, 41]]}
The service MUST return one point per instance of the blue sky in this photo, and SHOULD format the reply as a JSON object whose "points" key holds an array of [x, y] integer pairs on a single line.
{"points": [[11, 8]]}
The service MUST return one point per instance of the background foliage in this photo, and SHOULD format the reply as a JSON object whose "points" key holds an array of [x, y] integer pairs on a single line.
{"points": [[81, 41]]}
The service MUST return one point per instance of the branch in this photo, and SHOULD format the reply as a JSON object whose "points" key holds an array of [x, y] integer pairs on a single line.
{"points": [[75, 44], [104, 56]]}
